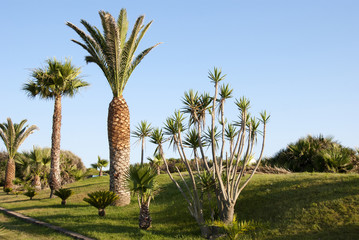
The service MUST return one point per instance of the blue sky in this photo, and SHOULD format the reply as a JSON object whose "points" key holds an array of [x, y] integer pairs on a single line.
{"points": [[297, 59]]}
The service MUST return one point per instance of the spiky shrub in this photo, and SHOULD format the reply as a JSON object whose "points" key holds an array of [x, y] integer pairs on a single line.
{"points": [[7, 190], [64, 194], [236, 229], [30, 193], [100, 200], [142, 182]]}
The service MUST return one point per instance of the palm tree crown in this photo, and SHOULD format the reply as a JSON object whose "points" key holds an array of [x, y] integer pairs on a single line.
{"points": [[57, 79], [111, 51], [13, 135]]}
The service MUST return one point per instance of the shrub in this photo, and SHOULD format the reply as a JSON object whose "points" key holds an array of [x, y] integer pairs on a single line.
{"points": [[7, 190], [30, 193], [100, 200], [320, 154], [64, 194]]}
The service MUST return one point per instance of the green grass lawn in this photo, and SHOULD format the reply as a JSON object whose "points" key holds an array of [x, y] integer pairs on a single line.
{"points": [[293, 206]]}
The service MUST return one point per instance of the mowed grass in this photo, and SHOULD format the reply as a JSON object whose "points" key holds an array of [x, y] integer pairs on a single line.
{"points": [[292, 206]]}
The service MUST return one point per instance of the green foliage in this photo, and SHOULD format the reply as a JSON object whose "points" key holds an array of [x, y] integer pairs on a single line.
{"points": [[64, 193], [236, 229], [2, 231], [142, 181], [101, 199], [7, 190], [30, 193], [321, 154]]}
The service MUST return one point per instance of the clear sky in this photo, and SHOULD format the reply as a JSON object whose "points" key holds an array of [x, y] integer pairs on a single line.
{"points": [[298, 59]]}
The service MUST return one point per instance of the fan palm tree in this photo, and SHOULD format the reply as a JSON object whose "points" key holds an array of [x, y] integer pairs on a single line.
{"points": [[56, 80], [156, 162], [143, 130], [101, 163], [13, 135], [37, 158], [114, 53], [142, 181]]}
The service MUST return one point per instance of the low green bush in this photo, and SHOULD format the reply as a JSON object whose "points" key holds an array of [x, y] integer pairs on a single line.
{"points": [[64, 194], [100, 200]]}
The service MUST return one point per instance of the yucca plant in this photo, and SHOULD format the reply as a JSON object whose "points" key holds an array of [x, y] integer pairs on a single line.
{"points": [[100, 200], [64, 194], [30, 193]]}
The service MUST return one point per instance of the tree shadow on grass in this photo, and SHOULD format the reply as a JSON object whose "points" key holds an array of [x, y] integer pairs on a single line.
{"points": [[346, 232]]}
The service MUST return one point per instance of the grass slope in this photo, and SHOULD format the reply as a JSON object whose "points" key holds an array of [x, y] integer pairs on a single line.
{"points": [[293, 206]]}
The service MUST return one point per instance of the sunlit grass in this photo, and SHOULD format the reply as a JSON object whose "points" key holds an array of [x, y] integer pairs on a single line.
{"points": [[293, 206]]}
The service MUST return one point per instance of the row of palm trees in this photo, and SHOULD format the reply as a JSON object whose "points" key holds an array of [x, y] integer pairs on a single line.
{"points": [[114, 52]]}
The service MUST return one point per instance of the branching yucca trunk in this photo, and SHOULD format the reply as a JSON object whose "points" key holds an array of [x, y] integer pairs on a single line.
{"points": [[119, 141], [55, 177], [10, 173]]}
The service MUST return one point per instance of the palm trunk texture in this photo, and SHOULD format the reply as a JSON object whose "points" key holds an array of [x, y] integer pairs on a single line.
{"points": [[118, 123], [55, 177], [36, 183], [10, 173], [145, 218]]}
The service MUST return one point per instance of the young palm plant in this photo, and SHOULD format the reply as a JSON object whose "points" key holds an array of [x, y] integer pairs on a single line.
{"points": [[53, 82], [143, 130], [156, 162], [13, 135], [101, 163], [30, 193], [114, 53], [142, 182], [64, 194], [101, 200]]}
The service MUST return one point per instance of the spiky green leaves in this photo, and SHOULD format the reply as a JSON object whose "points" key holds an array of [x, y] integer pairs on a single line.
{"points": [[113, 52], [143, 130], [13, 135], [64, 193], [56, 79], [216, 76], [101, 200]]}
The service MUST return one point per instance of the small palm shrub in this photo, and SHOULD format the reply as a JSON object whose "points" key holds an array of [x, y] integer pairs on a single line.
{"points": [[30, 193], [100, 200], [142, 182], [2, 231], [7, 190], [236, 229], [64, 194]]}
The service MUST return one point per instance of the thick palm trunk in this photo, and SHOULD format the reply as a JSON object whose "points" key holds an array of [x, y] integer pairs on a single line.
{"points": [[55, 177], [145, 218], [10, 173], [118, 124], [36, 183]]}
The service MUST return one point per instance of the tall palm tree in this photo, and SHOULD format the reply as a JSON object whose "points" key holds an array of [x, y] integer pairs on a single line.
{"points": [[143, 130], [101, 163], [56, 80], [114, 53], [13, 135]]}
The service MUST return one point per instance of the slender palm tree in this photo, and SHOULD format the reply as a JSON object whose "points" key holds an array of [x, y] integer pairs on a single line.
{"points": [[56, 80], [143, 130], [101, 163], [114, 53], [13, 135]]}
